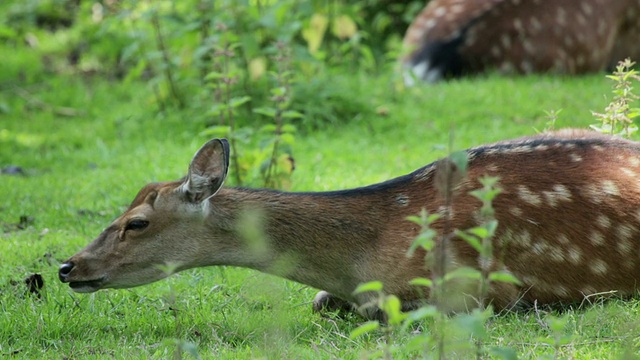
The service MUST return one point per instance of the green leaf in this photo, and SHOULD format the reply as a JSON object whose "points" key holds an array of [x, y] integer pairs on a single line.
{"points": [[266, 111], [238, 101], [216, 109], [368, 286], [288, 128], [292, 114], [461, 160], [217, 131], [479, 232], [287, 139], [420, 281], [464, 272], [279, 91], [393, 308], [424, 240], [426, 311], [367, 327], [505, 277], [473, 324], [214, 76], [471, 240], [268, 128]]}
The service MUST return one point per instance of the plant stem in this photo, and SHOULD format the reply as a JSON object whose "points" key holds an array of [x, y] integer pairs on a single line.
{"points": [[155, 21]]}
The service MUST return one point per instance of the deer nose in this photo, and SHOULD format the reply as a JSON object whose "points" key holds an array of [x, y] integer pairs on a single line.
{"points": [[65, 269]]}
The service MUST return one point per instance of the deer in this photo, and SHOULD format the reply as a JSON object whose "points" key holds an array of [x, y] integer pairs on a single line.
{"points": [[568, 227], [454, 38]]}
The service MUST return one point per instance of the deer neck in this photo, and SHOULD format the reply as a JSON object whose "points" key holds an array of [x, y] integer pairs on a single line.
{"points": [[318, 239]]}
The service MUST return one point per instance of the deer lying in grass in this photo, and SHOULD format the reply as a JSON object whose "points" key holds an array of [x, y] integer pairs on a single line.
{"points": [[569, 225]]}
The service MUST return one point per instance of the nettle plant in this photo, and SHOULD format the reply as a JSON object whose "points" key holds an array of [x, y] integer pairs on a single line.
{"points": [[272, 161], [435, 332], [618, 116]]}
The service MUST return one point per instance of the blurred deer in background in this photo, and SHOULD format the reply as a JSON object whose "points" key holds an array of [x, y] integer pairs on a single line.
{"points": [[452, 38]]}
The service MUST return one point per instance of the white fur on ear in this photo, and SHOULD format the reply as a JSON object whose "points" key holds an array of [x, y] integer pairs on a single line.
{"points": [[208, 170]]}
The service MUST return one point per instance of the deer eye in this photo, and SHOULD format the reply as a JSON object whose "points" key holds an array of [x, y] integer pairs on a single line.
{"points": [[136, 225]]}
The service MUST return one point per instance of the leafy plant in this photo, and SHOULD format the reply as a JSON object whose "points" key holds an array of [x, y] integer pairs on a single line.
{"points": [[618, 116], [272, 161], [446, 331]]}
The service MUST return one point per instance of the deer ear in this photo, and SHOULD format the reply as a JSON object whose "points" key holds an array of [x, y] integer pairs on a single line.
{"points": [[207, 170]]}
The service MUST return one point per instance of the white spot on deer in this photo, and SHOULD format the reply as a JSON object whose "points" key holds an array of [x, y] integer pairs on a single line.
{"points": [[515, 211], [430, 24], [562, 192], [568, 40], [586, 8], [596, 238], [582, 20], [440, 11], [541, 247], [457, 8], [597, 147], [529, 197], [527, 68], [624, 246], [506, 67], [522, 239], [593, 193], [535, 23], [563, 239], [574, 254], [506, 41], [402, 200], [561, 291], [625, 231], [556, 255], [530, 280], [529, 48], [561, 17], [609, 188], [575, 157], [603, 221], [634, 161], [559, 193], [517, 24], [588, 290], [628, 172], [598, 267]]}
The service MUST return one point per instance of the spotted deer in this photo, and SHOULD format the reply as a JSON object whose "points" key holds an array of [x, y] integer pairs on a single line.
{"points": [[568, 213], [451, 38]]}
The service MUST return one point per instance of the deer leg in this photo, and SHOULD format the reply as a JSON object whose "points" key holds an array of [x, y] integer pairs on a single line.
{"points": [[325, 301]]}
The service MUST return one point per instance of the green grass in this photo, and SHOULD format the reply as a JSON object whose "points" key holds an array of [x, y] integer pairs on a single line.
{"points": [[83, 171]]}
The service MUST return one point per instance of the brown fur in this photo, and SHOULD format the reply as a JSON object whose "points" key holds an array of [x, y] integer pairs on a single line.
{"points": [[458, 37], [569, 224]]}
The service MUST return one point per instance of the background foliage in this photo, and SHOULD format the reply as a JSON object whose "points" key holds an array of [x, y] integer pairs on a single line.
{"points": [[98, 98]]}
